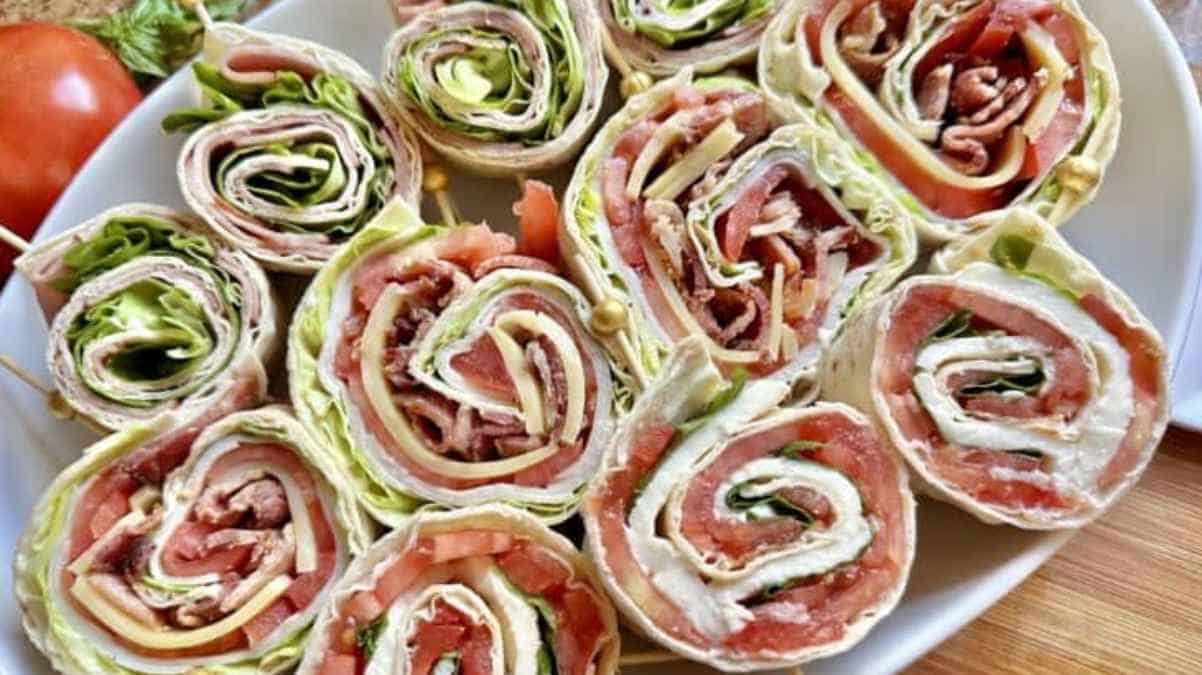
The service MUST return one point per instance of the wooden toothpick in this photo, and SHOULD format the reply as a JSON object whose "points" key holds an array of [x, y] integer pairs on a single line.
{"points": [[54, 401], [436, 182], [12, 239], [634, 81]]}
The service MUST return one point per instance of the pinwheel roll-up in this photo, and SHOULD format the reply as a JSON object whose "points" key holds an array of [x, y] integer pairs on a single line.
{"points": [[1025, 387], [294, 149], [742, 534], [498, 86], [971, 106], [149, 313], [172, 549], [443, 368], [661, 38], [688, 212], [483, 590]]}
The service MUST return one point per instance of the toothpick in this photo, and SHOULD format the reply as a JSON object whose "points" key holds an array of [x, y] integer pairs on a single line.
{"points": [[520, 177], [435, 181], [634, 81], [54, 401], [202, 13], [646, 658], [12, 239], [25, 376]]}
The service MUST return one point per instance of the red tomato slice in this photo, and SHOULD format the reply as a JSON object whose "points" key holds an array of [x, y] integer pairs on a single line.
{"points": [[466, 543], [267, 621], [483, 368], [538, 221], [339, 664], [469, 246], [532, 569]]}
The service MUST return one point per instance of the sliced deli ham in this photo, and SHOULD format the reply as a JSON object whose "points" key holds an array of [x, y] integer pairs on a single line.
{"points": [[477, 590], [693, 216], [1025, 387], [221, 557], [971, 107], [293, 149], [744, 535], [150, 313], [498, 87], [444, 368]]}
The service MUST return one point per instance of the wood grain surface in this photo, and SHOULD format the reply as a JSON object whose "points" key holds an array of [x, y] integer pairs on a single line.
{"points": [[1124, 596]]}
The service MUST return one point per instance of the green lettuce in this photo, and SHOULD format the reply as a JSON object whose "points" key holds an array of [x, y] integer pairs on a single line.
{"points": [[727, 16], [493, 76], [300, 187]]}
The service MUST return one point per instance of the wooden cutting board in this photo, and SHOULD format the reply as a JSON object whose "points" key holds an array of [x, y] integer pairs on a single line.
{"points": [[1124, 596]]}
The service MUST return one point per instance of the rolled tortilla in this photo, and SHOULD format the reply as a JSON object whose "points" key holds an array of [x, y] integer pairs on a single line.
{"points": [[149, 313], [480, 590], [293, 150], [500, 86], [970, 106], [441, 367], [745, 535], [662, 38], [172, 548], [1025, 387], [690, 214]]}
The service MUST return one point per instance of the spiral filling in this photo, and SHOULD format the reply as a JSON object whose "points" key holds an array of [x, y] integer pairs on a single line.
{"points": [[292, 151], [471, 600], [498, 85], [203, 556], [755, 546], [148, 312], [729, 234], [467, 371], [1015, 408], [969, 105]]}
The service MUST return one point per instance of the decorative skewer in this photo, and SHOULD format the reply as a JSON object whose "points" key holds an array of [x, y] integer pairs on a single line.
{"points": [[634, 81], [435, 181], [11, 238], [54, 401]]}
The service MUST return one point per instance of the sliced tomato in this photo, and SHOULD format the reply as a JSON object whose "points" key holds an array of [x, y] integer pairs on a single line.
{"points": [[442, 633], [484, 368], [363, 607], [465, 543], [736, 226], [472, 245], [538, 220], [475, 657], [306, 586], [264, 623], [339, 664], [184, 553], [581, 631], [84, 525], [532, 569], [108, 512]]}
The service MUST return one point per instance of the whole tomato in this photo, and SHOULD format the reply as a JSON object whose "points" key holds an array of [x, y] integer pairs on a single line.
{"points": [[62, 94]]}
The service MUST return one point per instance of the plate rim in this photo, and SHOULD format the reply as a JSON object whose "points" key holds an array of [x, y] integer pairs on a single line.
{"points": [[1006, 577]]}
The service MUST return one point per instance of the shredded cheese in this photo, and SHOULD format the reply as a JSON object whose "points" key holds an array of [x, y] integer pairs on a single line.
{"points": [[693, 165], [777, 311]]}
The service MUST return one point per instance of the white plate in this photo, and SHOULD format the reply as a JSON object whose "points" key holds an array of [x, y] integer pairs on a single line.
{"points": [[1143, 231]]}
